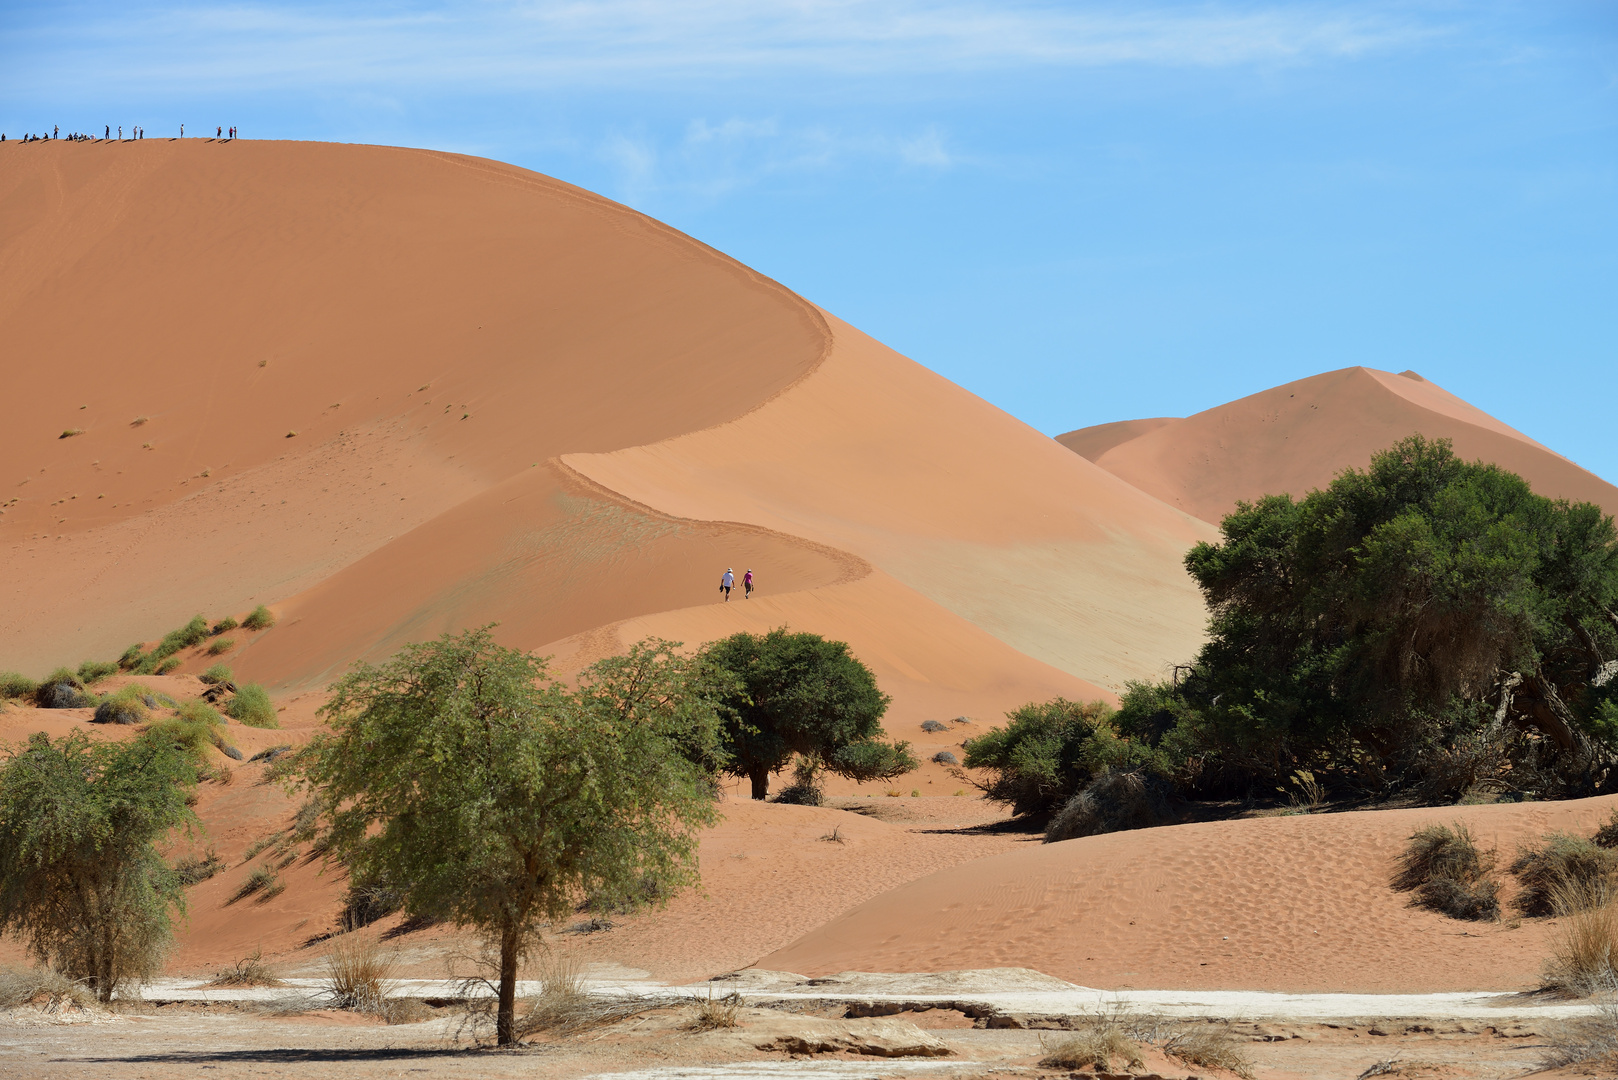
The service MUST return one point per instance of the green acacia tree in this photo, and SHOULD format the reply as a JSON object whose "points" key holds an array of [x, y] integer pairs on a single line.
{"points": [[496, 799], [1409, 617], [799, 694], [81, 876]]}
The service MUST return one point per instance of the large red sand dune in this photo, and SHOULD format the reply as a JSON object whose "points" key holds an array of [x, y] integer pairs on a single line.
{"points": [[394, 392], [1296, 437]]}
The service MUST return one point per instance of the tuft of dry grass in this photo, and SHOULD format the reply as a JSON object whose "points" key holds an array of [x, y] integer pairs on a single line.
{"points": [[197, 868], [44, 989], [1097, 1042], [259, 845], [250, 970], [1210, 1046], [1448, 874], [1590, 1041], [264, 882], [1565, 874], [359, 975], [835, 836], [713, 1013], [1584, 945]]}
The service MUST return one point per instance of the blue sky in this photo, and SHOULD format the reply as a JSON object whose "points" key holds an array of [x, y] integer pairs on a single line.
{"points": [[1082, 212]]}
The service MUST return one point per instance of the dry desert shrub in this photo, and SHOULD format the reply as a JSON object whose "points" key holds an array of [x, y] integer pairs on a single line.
{"points": [[264, 882], [1607, 835], [1590, 1041], [250, 970], [1448, 874], [42, 988], [561, 1007], [1563, 875], [1584, 946], [260, 618], [225, 625], [222, 645], [1097, 1042], [62, 689], [713, 1013], [129, 705], [1112, 802], [1211, 1046], [197, 868], [359, 975]]}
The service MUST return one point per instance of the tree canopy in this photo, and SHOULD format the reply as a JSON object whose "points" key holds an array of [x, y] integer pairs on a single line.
{"points": [[81, 876], [493, 797], [797, 694], [1406, 614]]}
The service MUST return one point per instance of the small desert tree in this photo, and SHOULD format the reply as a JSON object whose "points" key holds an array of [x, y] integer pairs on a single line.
{"points": [[801, 694], [496, 799], [81, 877]]}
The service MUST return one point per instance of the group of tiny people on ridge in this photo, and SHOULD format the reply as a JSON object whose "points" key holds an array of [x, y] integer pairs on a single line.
{"points": [[135, 134], [728, 582]]}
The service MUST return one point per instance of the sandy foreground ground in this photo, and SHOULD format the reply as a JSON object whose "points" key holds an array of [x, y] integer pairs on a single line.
{"points": [[825, 1031]]}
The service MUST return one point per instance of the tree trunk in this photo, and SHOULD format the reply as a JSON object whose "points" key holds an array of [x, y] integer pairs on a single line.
{"points": [[505, 1024], [1550, 713], [761, 782], [104, 963]]}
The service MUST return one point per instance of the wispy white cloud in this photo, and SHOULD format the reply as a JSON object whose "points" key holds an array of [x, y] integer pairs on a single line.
{"points": [[556, 43], [712, 160]]}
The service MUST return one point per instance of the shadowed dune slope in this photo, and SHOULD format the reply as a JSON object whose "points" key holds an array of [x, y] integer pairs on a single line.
{"points": [[1296, 437], [1292, 904], [963, 504], [339, 371]]}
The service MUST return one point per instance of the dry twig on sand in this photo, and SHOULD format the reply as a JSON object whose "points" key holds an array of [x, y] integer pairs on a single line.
{"points": [[713, 1013], [250, 970]]}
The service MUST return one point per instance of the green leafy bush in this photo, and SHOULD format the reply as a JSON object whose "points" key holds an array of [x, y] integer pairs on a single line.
{"points": [[220, 646], [218, 673], [166, 666], [93, 671], [14, 685], [129, 705], [1049, 750], [192, 633], [252, 705], [225, 625], [132, 657], [196, 727], [260, 618]]}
